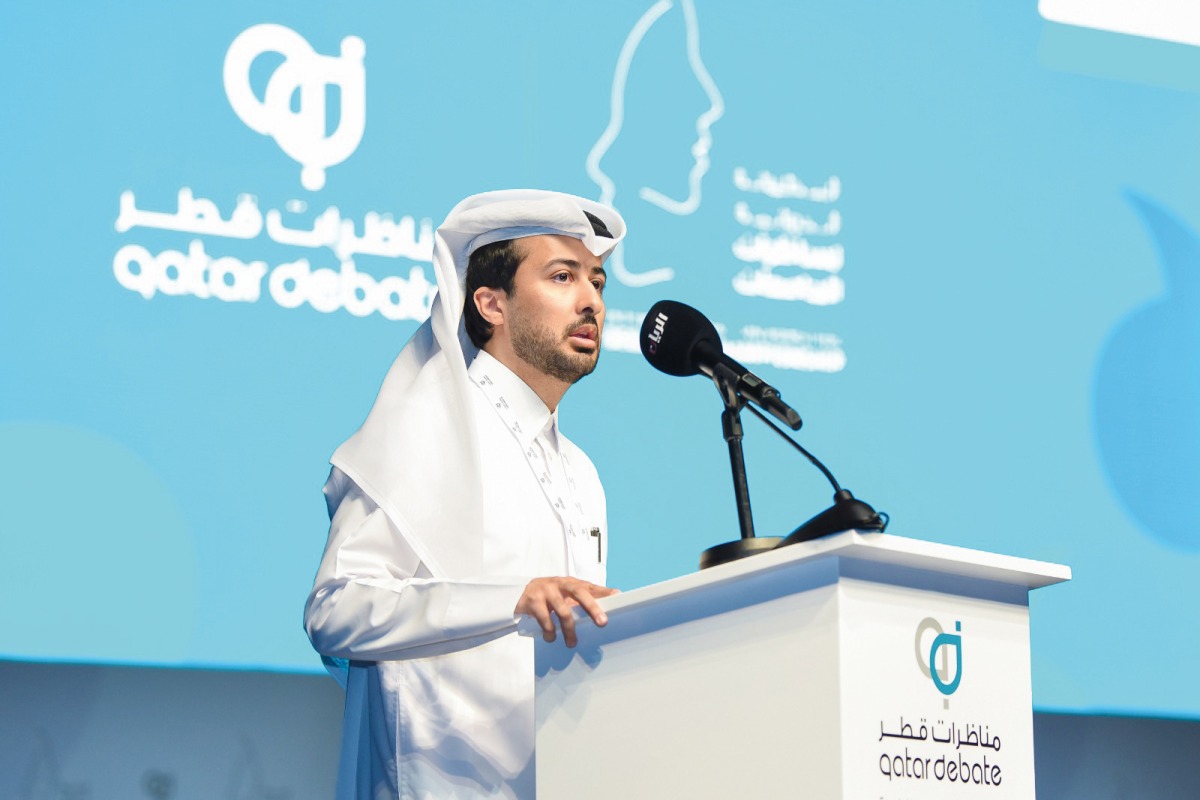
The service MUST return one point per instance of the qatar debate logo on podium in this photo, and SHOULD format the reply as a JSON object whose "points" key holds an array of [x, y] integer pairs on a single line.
{"points": [[305, 74], [928, 653]]}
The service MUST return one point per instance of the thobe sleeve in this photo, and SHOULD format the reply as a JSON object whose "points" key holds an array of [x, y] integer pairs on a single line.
{"points": [[373, 599]]}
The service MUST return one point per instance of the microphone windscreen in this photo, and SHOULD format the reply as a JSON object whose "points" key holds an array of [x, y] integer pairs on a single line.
{"points": [[670, 333]]}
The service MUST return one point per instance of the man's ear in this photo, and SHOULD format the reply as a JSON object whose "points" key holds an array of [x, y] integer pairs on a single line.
{"points": [[491, 305]]}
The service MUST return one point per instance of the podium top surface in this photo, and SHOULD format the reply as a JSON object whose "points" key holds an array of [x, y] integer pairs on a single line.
{"points": [[879, 552]]}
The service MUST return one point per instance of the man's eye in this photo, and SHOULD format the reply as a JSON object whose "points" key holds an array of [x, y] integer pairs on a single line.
{"points": [[599, 286]]}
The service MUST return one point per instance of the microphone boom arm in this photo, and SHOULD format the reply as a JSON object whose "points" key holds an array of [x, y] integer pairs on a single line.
{"points": [[846, 512]]}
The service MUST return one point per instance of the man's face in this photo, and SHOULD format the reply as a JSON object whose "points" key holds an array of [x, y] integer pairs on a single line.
{"points": [[556, 310]]}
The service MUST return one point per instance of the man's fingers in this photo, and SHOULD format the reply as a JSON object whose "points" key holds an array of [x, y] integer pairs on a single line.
{"points": [[595, 590], [566, 621], [544, 619], [547, 598], [535, 604], [587, 599]]}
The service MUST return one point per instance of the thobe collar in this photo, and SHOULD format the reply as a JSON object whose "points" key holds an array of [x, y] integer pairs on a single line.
{"points": [[525, 413]]}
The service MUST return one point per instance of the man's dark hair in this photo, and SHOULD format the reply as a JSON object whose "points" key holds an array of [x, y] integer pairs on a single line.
{"points": [[494, 266]]}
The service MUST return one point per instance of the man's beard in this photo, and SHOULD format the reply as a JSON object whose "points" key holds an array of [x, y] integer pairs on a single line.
{"points": [[539, 347]]}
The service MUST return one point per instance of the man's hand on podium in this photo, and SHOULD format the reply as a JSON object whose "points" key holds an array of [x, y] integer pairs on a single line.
{"points": [[547, 598]]}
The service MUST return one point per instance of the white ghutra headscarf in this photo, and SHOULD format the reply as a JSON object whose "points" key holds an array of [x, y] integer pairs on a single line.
{"points": [[417, 455]]}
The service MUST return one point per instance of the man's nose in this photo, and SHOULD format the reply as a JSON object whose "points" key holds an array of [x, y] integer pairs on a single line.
{"points": [[590, 299]]}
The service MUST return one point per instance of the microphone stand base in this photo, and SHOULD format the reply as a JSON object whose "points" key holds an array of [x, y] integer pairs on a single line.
{"points": [[845, 514], [738, 548]]}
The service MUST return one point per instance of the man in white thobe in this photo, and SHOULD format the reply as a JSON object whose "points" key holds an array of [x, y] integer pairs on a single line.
{"points": [[459, 506]]}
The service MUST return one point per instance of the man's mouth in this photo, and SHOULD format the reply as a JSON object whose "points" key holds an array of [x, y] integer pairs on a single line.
{"points": [[585, 333]]}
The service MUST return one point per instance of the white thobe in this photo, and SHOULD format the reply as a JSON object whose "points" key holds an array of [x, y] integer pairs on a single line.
{"points": [[439, 694]]}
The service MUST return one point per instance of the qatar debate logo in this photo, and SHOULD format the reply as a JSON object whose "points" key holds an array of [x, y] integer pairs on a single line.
{"points": [[306, 74], [292, 110], [933, 656]]}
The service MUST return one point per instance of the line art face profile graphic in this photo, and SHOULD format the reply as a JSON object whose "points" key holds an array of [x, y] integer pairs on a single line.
{"points": [[933, 658], [699, 149], [704, 123], [300, 132]]}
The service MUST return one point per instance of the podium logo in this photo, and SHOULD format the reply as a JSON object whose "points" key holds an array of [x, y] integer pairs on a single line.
{"points": [[293, 108], [934, 654]]}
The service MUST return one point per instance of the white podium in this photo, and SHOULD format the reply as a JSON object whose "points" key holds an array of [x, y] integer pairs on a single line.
{"points": [[858, 666]]}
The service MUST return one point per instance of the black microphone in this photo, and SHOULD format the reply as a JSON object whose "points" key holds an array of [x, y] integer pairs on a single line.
{"points": [[679, 340]]}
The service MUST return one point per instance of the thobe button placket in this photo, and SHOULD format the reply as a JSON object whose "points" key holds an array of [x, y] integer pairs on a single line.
{"points": [[544, 456]]}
